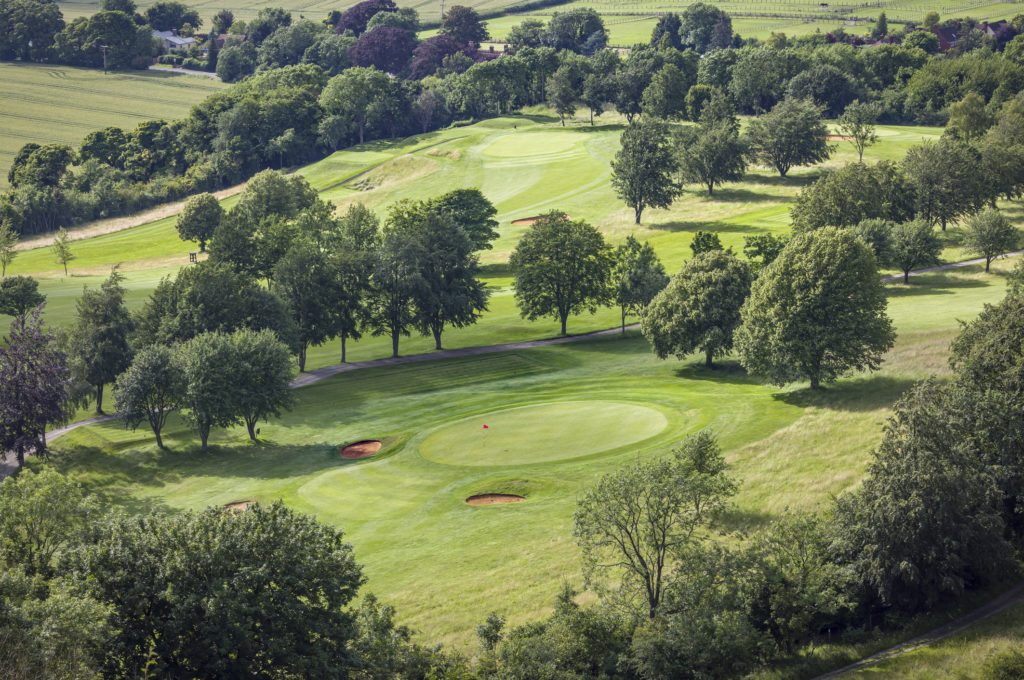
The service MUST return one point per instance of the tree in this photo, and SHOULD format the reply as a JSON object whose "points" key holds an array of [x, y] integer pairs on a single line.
{"points": [[168, 15], [762, 249], [577, 30], [464, 25], [45, 166], [356, 18], [19, 295], [854, 193], [61, 249], [858, 123], [711, 154], [470, 210], [643, 167], [449, 292], [668, 24], [104, 145], [638, 276], [562, 93], [914, 244], [930, 19], [34, 386], [199, 218], [276, 571], [352, 94], [149, 389], [792, 134], [262, 380], [308, 285], [43, 515], [393, 285], [353, 261], [209, 367], [877, 233], [99, 340], [8, 243], [235, 62], [990, 234], [406, 17], [700, 307], [704, 27], [561, 267], [665, 97], [635, 521], [222, 20], [826, 85], [925, 525], [27, 29], [947, 179], [705, 242], [387, 48], [968, 117], [881, 28], [816, 312]]}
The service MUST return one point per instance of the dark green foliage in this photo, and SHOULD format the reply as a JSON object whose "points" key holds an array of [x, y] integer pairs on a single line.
{"points": [[44, 166], [700, 308], [307, 282], [19, 295], [912, 245], [644, 166], [149, 389], [349, 95], [704, 27], [792, 134], [826, 86], [27, 29], [276, 571], [267, 20], [638, 276], [858, 122], [989, 234], [926, 524], [1006, 665], [128, 45], [577, 30], [816, 312], [20, 159], [262, 377], [99, 339], [878, 234], [235, 62], [759, 76], [665, 97], [106, 145], [394, 282], [464, 25], [762, 250], [705, 242], [287, 45], [668, 24], [167, 15], [712, 153], [199, 219], [947, 179], [643, 517], [561, 267], [854, 193]]}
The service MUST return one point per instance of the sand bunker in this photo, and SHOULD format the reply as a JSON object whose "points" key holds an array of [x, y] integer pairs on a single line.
{"points": [[494, 498], [238, 506], [527, 221], [363, 449], [838, 138]]}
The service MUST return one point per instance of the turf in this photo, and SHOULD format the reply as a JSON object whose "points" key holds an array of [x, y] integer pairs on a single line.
{"points": [[446, 564], [43, 104]]}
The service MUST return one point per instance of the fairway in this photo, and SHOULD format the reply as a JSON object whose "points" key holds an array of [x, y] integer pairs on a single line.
{"points": [[542, 433], [44, 104]]}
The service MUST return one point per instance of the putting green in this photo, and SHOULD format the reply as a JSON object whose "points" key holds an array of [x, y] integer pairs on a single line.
{"points": [[541, 433], [519, 144]]}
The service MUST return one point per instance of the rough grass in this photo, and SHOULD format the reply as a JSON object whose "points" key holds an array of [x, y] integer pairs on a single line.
{"points": [[43, 104], [446, 564]]}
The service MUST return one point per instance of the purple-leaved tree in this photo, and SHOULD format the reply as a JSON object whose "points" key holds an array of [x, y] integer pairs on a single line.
{"points": [[35, 386]]}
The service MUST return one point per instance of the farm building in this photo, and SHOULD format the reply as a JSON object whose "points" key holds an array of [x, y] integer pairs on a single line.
{"points": [[170, 41]]}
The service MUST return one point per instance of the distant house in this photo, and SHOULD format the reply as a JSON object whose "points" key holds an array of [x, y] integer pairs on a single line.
{"points": [[948, 36], [171, 42], [224, 37]]}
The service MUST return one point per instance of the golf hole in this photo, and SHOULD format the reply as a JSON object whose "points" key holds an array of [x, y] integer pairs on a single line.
{"points": [[494, 498], [362, 449]]}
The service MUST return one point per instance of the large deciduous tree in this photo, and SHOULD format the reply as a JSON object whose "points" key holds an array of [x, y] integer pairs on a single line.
{"points": [[386, 48], [858, 123], [19, 295], [854, 193], [149, 389], [913, 244], [261, 382], [394, 282], [209, 369], [638, 276], [816, 312], [948, 180], [464, 25], [100, 350], [561, 267], [644, 167], [199, 219], [35, 386], [712, 153], [700, 307], [989, 234], [275, 571], [635, 522], [351, 96], [308, 284], [790, 135]]}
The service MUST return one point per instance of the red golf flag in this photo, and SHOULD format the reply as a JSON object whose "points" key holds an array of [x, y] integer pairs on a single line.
{"points": [[485, 427]]}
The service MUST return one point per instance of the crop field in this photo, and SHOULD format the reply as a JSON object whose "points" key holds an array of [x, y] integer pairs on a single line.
{"points": [[43, 104]]}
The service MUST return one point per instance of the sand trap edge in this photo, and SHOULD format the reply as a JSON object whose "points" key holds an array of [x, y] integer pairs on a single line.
{"points": [[494, 498], [361, 449], [238, 506]]}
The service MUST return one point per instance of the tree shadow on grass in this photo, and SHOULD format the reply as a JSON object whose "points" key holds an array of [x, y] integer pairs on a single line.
{"points": [[728, 194], [535, 117], [935, 284], [724, 371], [858, 394], [601, 127], [712, 226], [736, 519]]}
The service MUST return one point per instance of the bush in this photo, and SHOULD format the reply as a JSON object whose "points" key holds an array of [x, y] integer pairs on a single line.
{"points": [[1008, 665]]}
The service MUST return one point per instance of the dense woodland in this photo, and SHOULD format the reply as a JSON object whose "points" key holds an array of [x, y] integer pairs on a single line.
{"points": [[87, 591]]}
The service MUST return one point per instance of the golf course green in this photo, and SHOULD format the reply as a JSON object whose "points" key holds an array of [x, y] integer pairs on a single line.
{"points": [[542, 433]]}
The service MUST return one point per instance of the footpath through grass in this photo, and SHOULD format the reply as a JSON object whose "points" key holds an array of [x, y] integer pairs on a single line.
{"points": [[41, 103], [446, 564]]}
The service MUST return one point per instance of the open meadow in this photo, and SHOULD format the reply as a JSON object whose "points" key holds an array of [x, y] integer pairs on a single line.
{"points": [[557, 417], [45, 104]]}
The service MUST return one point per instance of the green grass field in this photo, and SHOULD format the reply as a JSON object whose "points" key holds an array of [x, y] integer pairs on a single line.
{"points": [[557, 418], [44, 104]]}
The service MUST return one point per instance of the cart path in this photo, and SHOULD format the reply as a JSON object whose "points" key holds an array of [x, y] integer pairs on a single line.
{"points": [[329, 371], [1011, 597]]}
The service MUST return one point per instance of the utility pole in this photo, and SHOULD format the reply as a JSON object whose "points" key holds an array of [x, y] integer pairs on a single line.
{"points": [[104, 49]]}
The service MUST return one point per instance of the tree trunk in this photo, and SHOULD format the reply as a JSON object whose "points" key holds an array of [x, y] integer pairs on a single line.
{"points": [[815, 382], [250, 423], [638, 211], [99, 398], [204, 436], [66, 264], [302, 358], [943, 224], [906, 276], [394, 344], [437, 337], [343, 337], [707, 359], [159, 439], [564, 317], [711, 188], [988, 261], [623, 320], [562, 119], [20, 455], [591, 117], [361, 124]]}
